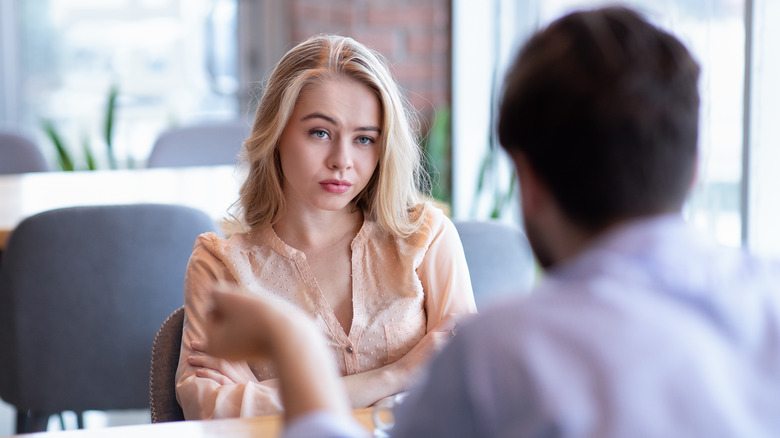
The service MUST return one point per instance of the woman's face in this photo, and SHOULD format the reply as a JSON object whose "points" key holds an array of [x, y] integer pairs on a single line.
{"points": [[330, 147]]}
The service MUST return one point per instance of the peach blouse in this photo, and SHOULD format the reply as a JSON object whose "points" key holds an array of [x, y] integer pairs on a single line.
{"points": [[402, 288]]}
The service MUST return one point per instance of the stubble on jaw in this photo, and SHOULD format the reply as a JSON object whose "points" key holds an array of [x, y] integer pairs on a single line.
{"points": [[539, 244]]}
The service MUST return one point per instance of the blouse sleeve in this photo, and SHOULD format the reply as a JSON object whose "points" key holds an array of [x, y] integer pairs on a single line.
{"points": [[444, 273], [202, 398]]}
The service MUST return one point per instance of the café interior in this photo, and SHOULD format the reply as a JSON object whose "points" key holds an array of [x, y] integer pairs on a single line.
{"points": [[123, 102]]}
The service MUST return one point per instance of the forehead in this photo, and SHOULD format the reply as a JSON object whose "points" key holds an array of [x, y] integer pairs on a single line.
{"points": [[342, 98]]}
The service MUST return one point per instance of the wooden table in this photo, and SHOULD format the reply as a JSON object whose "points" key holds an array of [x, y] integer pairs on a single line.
{"points": [[212, 189], [256, 427]]}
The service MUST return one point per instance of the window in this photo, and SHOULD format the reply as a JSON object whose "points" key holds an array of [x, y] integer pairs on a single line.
{"points": [[762, 203], [172, 61], [732, 199]]}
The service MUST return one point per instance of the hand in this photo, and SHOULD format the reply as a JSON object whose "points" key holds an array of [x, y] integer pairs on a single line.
{"points": [[240, 326], [219, 370], [413, 363], [232, 325]]}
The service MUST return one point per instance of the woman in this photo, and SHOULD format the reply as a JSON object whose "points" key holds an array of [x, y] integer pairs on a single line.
{"points": [[336, 225]]}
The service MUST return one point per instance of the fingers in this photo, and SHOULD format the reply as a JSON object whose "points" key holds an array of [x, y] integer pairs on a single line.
{"points": [[208, 368], [202, 361], [207, 361], [213, 375], [197, 346]]}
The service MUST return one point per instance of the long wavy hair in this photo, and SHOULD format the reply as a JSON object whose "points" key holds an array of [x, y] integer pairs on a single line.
{"points": [[395, 192]]}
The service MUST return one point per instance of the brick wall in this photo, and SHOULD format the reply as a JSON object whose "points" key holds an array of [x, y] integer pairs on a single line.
{"points": [[414, 35]]}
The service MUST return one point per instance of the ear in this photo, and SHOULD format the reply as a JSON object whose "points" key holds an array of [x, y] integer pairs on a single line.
{"points": [[533, 192]]}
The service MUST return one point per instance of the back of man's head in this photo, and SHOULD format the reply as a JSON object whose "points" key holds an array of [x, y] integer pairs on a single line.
{"points": [[604, 107]]}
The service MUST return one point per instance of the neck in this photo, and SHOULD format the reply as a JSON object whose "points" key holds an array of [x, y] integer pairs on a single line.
{"points": [[568, 239], [556, 239], [318, 231]]}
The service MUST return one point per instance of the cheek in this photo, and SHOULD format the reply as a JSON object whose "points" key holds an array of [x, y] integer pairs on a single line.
{"points": [[284, 163], [364, 160], [292, 166], [375, 163], [293, 155], [371, 159]]}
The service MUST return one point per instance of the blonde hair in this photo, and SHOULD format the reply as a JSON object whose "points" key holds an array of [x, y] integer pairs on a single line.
{"points": [[395, 189]]}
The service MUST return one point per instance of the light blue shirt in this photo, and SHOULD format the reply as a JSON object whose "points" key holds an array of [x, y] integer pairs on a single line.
{"points": [[652, 331]]}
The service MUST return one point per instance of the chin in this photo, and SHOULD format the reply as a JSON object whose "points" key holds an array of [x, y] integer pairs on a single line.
{"points": [[334, 206]]}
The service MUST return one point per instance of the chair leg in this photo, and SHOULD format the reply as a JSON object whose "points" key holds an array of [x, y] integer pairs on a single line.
{"points": [[31, 420], [79, 420], [21, 421]]}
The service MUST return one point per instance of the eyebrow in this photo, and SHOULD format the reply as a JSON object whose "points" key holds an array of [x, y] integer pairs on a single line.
{"points": [[334, 122]]}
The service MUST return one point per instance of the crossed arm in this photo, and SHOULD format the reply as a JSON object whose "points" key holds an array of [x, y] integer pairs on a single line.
{"points": [[212, 387], [240, 327], [362, 389]]}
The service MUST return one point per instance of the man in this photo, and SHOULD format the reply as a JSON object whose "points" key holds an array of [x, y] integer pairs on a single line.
{"points": [[640, 327]]}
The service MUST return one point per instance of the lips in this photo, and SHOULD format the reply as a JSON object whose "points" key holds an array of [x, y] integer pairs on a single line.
{"points": [[337, 186]]}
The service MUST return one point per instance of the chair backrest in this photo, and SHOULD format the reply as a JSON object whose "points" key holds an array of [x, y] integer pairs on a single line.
{"points": [[18, 154], [199, 145], [82, 294], [165, 360], [499, 257]]}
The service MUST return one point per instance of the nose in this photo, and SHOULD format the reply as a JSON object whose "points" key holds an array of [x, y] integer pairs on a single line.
{"points": [[340, 157]]}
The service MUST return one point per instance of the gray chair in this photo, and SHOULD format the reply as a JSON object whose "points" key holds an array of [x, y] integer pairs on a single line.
{"points": [[19, 154], [82, 294], [199, 145], [500, 260], [165, 359]]}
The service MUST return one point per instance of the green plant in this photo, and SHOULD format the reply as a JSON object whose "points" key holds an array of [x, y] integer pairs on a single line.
{"points": [[109, 125], [437, 146], [495, 187], [65, 157]]}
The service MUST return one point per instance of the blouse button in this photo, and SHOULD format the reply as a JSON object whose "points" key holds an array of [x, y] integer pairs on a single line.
{"points": [[350, 349]]}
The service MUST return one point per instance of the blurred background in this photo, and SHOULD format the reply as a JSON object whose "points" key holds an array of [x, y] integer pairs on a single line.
{"points": [[158, 64]]}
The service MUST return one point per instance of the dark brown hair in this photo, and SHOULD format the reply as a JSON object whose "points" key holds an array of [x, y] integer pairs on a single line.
{"points": [[605, 108]]}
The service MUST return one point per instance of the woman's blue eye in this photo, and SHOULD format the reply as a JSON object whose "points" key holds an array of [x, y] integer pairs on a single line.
{"points": [[319, 133], [365, 140]]}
